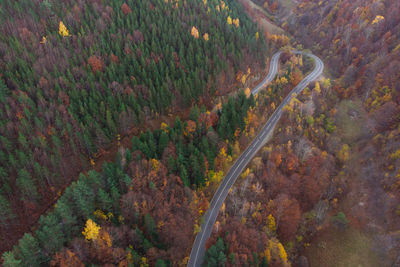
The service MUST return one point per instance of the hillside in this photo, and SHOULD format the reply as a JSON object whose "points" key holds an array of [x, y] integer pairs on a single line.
{"points": [[360, 42], [79, 76], [119, 120], [327, 185]]}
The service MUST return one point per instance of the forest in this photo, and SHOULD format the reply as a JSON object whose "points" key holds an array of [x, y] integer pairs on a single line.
{"points": [[119, 119], [347, 214], [79, 76]]}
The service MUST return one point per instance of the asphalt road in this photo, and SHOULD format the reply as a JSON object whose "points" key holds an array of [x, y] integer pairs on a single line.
{"points": [[198, 249]]}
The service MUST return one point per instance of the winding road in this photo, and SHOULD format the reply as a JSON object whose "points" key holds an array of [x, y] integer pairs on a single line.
{"points": [[198, 249]]}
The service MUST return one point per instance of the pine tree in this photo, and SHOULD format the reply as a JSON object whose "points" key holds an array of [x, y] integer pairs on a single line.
{"points": [[50, 234], [67, 218], [160, 263], [9, 259], [83, 197], [162, 143], [104, 200], [29, 251], [184, 175]]}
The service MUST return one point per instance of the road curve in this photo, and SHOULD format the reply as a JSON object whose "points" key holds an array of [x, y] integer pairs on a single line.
{"points": [[198, 249]]}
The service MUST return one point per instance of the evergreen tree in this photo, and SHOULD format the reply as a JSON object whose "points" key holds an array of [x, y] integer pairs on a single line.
{"points": [[264, 262], [160, 263], [29, 252], [215, 255], [68, 219], [162, 143], [50, 234], [9, 259]]}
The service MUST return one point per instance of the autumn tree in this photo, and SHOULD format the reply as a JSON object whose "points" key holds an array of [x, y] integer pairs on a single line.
{"points": [[126, 9], [66, 258], [62, 30], [95, 63]]}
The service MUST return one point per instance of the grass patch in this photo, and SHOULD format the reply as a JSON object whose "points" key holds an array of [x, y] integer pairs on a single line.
{"points": [[350, 120], [338, 248], [288, 4]]}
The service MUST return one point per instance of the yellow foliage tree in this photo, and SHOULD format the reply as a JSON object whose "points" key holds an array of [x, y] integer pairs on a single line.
{"points": [[206, 37], [283, 81], [317, 88], [257, 36], [271, 222], [196, 229], [195, 32], [344, 153], [229, 20], [236, 22], [155, 164], [164, 127], [215, 176], [223, 5], [222, 160], [62, 30], [282, 253], [144, 262], [100, 214], [44, 40], [244, 77], [326, 83], [377, 19], [245, 173], [91, 231], [247, 92], [276, 251], [395, 155]]}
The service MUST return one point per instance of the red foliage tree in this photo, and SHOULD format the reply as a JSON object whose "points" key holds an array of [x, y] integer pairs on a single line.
{"points": [[126, 9], [289, 220], [95, 63], [66, 258]]}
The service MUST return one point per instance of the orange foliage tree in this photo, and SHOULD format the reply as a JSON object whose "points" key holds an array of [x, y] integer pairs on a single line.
{"points": [[125, 9], [95, 63]]}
